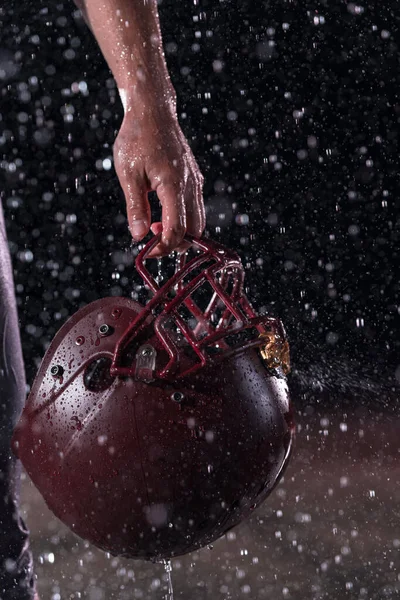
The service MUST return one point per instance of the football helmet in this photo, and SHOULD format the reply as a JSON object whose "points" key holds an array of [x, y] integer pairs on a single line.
{"points": [[152, 430]]}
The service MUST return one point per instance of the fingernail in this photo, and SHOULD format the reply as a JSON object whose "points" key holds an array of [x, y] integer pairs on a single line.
{"points": [[139, 228]]}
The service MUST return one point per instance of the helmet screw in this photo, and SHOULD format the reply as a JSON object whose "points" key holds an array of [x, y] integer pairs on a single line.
{"points": [[105, 330], [146, 352], [56, 370], [177, 397]]}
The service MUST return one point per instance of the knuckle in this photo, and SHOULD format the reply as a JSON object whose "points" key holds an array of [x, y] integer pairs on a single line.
{"points": [[120, 149], [173, 178], [175, 170], [136, 208], [178, 230], [125, 161], [175, 192], [174, 234]]}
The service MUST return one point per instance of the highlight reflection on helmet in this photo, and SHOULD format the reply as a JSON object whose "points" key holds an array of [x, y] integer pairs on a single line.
{"points": [[153, 430]]}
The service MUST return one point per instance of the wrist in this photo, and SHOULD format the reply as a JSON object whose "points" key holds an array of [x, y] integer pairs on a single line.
{"points": [[154, 98]]}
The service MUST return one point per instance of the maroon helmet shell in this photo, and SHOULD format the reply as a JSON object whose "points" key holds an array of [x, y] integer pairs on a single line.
{"points": [[152, 430]]}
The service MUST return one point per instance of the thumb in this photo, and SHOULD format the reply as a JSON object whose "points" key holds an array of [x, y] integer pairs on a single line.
{"points": [[138, 209]]}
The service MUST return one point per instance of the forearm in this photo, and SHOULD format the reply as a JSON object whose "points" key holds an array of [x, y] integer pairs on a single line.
{"points": [[128, 33]]}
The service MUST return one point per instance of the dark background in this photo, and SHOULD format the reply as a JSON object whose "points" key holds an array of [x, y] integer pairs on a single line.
{"points": [[299, 144], [292, 110]]}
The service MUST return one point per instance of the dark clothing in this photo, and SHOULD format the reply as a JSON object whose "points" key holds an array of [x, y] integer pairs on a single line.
{"points": [[16, 570]]}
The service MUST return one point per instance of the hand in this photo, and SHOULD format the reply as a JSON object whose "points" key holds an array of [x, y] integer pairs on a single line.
{"points": [[151, 153]]}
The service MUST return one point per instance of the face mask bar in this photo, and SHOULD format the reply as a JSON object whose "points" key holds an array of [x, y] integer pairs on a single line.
{"points": [[221, 268]]}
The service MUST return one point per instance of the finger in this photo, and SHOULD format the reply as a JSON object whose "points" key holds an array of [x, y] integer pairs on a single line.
{"points": [[195, 213], [156, 228], [138, 208], [173, 215], [157, 251], [201, 211], [135, 188]]}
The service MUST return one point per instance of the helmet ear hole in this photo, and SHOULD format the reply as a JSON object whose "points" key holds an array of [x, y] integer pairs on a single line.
{"points": [[97, 377]]}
